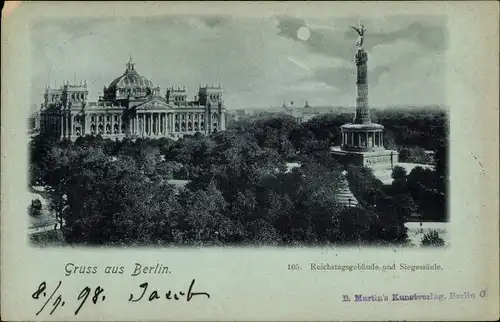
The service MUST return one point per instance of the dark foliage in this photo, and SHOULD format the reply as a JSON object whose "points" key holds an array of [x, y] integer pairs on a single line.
{"points": [[240, 190], [432, 239]]}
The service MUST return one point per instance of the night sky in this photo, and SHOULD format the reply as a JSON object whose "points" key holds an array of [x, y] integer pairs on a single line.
{"points": [[259, 62]]}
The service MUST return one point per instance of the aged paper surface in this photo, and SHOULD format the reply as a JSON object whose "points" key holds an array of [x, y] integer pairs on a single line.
{"points": [[63, 262]]}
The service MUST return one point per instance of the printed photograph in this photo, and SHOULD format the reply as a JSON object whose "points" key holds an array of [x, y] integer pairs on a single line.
{"points": [[223, 131]]}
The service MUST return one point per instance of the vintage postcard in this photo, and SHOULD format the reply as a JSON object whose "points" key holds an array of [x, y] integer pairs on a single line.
{"points": [[191, 161]]}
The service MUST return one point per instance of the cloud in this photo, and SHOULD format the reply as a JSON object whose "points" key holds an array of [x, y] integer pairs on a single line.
{"points": [[339, 41], [218, 21], [258, 61], [311, 86], [299, 64]]}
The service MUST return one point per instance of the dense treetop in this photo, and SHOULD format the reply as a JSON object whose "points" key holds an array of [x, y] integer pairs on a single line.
{"points": [[240, 191]]}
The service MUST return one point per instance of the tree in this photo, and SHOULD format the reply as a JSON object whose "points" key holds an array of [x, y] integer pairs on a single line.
{"points": [[364, 185], [441, 167], [35, 174], [301, 137], [389, 140], [423, 186], [203, 218], [240, 190], [57, 204], [149, 157], [432, 239], [390, 217], [167, 169], [354, 225], [414, 155], [398, 172]]}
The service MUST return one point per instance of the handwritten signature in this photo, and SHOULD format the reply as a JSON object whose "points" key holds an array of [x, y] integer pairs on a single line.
{"points": [[56, 299], [169, 295]]}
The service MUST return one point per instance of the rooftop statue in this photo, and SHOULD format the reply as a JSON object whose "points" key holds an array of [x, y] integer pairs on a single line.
{"points": [[361, 32]]}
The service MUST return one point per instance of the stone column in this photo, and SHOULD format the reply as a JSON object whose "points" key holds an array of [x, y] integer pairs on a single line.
{"points": [[154, 123], [87, 124], [120, 124], [165, 123], [148, 130], [362, 111], [112, 124], [62, 123], [140, 122], [73, 124], [150, 125], [160, 123], [159, 120], [152, 116], [157, 123], [206, 121], [367, 138], [135, 121], [66, 121], [359, 138], [222, 122]]}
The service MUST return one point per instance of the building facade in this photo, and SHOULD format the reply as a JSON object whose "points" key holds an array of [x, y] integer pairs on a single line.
{"points": [[131, 107]]}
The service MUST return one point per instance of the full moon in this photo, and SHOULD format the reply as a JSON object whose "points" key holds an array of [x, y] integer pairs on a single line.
{"points": [[303, 33]]}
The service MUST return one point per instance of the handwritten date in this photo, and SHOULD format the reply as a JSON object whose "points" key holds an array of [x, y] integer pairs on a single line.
{"points": [[41, 293], [93, 296]]}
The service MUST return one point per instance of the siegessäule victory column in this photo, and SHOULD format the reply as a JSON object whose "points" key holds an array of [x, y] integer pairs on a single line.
{"points": [[362, 140]]}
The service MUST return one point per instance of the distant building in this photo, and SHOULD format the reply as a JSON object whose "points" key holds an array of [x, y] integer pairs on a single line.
{"points": [[306, 113], [131, 107], [34, 122]]}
